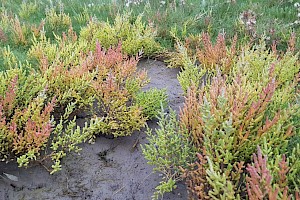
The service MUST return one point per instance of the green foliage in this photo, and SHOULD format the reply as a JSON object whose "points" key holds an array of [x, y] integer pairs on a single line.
{"points": [[136, 37], [67, 140], [293, 159], [57, 20], [185, 58], [200, 59], [163, 187], [66, 48], [191, 75], [169, 148], [23, 130], [229, 116], [8, 57], [255, 104], [28, 87], [151, 101], [222, 187], [182, 57], [254, 64], [27, 9], [116, 113], [5, 20], [108, 77]]}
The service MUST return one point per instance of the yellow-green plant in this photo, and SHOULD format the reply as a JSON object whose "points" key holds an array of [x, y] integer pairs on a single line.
{"points": [[83, 74], [66, 49], [181, 57], [226, 122], [63, 66], [151, 101], [23, 131], [254, 62], [192, 75], [5, 19], [185, 52], [135, 37], [9, 59], [84, 16], [27, 9], [102, 82], [169, 149], [199, 59], [57, 20], [42, 48]]}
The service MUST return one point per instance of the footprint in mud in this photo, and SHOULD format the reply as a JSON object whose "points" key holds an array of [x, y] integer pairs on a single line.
{"points": [[103, 157]]}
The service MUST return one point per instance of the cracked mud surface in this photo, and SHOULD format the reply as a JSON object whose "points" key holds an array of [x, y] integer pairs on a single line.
{"points": [[109, 169]]}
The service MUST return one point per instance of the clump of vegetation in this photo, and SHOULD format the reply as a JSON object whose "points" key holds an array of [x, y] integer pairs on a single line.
{"points": [[135, 37], [151, 101], [108, 77], [28, 129], [226, 119], [41, 117], [57, 20], [209, 56], [200, 59], [169, 149], [115, 78]]}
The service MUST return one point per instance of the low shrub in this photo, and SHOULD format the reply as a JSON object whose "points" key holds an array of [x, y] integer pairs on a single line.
{"points": [[200, 59], [109, 77], [114, 86], [57, 20], [185, 52]]}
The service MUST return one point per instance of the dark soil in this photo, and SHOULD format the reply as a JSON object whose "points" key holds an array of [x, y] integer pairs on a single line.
{"points": [[110, 169]]}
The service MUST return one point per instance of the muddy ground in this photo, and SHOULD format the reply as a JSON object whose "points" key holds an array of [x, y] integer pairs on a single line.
{"points": [[110, 169]]}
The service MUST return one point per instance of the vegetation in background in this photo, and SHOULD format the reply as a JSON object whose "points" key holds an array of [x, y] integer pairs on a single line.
{"points": [[250, 20]]}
